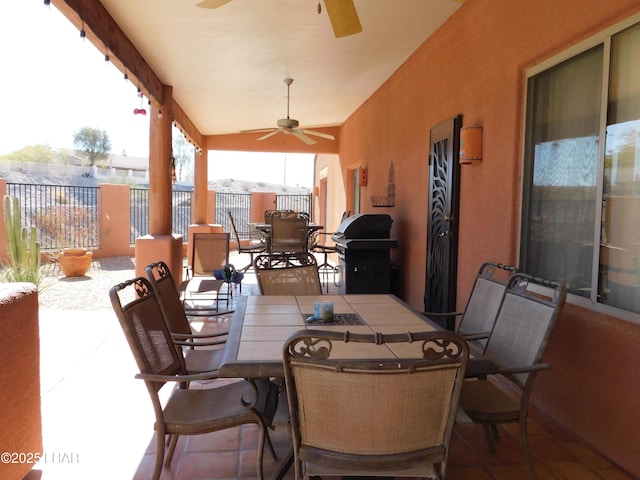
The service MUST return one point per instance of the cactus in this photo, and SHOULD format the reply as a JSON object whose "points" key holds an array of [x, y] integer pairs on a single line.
{"points": [[22, 245]]}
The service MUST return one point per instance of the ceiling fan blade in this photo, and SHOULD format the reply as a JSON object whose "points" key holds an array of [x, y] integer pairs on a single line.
{"points": [[299, 134], [258, 130], [343, 16], [318, 134], [269, 135], [212, 3]]}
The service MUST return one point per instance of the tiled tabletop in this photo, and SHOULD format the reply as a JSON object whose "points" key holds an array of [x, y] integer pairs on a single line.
{"points": [[262, 324]]}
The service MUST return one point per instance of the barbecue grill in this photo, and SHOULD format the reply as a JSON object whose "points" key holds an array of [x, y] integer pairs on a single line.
{"points": [[363, 244]]}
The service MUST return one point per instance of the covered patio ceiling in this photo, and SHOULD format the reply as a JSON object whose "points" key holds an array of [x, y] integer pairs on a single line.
{"points": [[226, 66]]}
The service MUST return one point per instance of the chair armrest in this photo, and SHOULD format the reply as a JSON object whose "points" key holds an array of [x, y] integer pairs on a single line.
{"points": [[177, 378], [188, 336], [186, 343], [475, 336], [442, 314], [524, 368]]}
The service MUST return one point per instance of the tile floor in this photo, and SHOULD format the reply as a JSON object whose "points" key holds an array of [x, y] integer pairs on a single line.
{"points": [[97, 421]]}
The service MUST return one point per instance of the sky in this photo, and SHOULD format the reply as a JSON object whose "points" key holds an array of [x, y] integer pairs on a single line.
{"points": [[52, 83]]}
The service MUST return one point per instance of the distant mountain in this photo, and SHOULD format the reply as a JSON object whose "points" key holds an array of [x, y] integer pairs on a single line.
{"points": [[229, 185], [226, 185]]}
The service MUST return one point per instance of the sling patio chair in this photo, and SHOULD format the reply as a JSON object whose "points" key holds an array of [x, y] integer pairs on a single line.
{"points": [[476, 321], [357, 412], [255, 246], [209, 253], [187, 411], [318, 244], [515, 349], [297, 276], [197, 357]]}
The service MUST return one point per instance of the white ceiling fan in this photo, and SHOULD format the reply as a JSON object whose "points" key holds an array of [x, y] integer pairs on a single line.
{"points": [[290, 126], [342, 15]]}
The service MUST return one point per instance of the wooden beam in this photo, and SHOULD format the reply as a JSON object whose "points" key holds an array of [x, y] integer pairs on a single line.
{"points": [[107, 36]]}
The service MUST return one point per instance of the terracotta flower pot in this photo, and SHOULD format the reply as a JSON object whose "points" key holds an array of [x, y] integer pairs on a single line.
{"points": [[74, 262]]}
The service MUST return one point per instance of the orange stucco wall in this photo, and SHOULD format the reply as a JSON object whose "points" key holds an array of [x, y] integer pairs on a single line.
{"points": [[20, 418], [475, 65]]}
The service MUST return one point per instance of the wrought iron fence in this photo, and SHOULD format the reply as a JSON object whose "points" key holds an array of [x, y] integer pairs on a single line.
{"points": [[67, 216], [64, 216], [297, 203], [181, 218], [239, 204], [139, 212]]}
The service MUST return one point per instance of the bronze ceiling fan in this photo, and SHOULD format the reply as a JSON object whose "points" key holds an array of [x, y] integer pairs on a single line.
{"points": [[342, 15], [290, 126]]}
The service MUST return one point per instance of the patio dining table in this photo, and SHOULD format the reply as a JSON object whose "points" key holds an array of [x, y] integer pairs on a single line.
{"points": [[265, 230], [261, 325]]}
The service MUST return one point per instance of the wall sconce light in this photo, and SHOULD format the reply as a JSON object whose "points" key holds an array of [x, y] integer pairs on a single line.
{"points": [[470, 145]]}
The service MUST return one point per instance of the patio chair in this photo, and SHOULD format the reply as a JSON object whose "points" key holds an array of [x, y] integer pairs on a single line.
{"points": [[187, 411], [482, 306], [255, 246], [516, 346], [209, 253], [268, 214], [295, 277], [318, 245], [196, 359], [377, 416], [289, 234]]}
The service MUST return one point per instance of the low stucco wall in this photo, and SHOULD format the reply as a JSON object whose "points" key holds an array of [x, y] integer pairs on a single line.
{"points": [[593, 385], [20, 418]]}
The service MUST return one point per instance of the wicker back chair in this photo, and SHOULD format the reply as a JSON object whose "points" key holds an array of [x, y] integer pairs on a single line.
{"points": [[187, 412], [515, 348], [482, 306], [289, 233], [277, 276], [268, 214], [373, 417], [196, 360]]}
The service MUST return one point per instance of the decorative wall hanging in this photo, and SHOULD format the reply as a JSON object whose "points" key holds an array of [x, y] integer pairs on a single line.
{"points": [[388, 200]]}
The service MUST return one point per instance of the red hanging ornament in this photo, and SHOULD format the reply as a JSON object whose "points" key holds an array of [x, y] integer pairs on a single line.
{"points": [[174, 178], [140, 111]]}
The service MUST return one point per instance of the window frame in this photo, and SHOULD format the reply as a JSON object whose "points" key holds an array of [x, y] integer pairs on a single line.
{"points": [[601, 38]]}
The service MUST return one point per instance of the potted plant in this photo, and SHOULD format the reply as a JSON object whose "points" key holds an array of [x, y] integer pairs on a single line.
{"points": [[68, 227], [75, 262]]}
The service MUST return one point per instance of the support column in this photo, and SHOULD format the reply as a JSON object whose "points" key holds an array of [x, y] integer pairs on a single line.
{"points": [[160, 244], [160, 151], [201, 203], [200, 187]]}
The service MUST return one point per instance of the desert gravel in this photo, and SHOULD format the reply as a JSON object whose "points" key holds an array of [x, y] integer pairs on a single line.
{"points": [[89, 292]]}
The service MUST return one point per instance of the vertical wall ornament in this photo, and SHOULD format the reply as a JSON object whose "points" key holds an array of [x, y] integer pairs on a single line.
{"points": [[388, 200]]}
